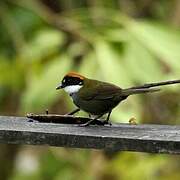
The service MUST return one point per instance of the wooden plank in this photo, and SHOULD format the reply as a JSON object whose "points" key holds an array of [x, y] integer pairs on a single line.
{"points": [[123, 137]]}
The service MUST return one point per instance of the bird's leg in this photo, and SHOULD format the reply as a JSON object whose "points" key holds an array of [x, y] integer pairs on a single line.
{"points": [[90, 121], [73, 112], [107, 119]]}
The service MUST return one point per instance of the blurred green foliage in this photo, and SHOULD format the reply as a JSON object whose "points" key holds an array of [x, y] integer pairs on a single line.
{"points": [[125, 42]]}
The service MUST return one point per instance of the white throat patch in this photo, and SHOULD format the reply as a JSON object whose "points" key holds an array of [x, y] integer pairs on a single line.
{"points": [[72, 89]]}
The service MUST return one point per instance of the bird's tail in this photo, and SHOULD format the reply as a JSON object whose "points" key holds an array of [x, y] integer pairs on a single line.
{"points": [[129, 91], [147, 88]]}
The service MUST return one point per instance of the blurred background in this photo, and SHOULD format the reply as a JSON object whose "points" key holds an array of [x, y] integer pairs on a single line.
{"points": [[126, 42]]}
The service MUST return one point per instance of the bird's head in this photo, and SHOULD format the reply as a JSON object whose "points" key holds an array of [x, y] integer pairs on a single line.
{"points": [[71, 83]]}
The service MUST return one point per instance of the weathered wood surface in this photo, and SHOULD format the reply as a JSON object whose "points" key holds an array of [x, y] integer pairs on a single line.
{"points": [[124, 137]]}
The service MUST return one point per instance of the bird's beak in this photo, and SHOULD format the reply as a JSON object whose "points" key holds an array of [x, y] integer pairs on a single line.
{"points": [[60, 86]]}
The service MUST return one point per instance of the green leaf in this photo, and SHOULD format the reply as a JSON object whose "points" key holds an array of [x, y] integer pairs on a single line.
{"points": [[111, 64], [45, 43], [41, 92], [11, 73], [161, 40], [89, 66], [116, 35], [141, 64]]}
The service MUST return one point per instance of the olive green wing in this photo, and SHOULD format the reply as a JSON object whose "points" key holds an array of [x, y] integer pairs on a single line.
{"points": [[100, 91]]}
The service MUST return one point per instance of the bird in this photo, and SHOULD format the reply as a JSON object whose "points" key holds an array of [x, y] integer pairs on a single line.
{"points": [[98, 98]]}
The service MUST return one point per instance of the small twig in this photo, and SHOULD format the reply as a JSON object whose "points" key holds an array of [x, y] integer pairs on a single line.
{"points": [[56, 20]]}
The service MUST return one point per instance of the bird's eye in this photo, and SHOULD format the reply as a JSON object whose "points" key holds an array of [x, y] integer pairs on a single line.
{"points": [[64, 80], [80, 83]]}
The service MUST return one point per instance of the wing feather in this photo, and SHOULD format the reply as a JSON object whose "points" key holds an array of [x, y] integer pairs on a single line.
{"points": [[100, 91]]}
